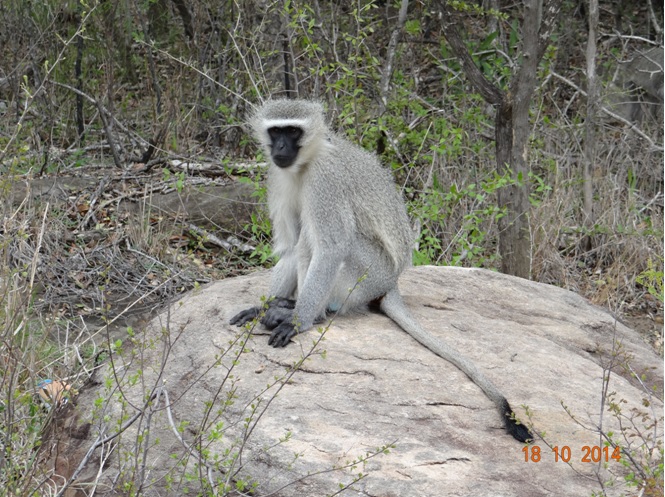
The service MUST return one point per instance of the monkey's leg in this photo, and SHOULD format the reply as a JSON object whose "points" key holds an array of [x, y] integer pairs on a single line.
{"points": [[313, 294], [276, 315], [338, 285], [366, 276]]}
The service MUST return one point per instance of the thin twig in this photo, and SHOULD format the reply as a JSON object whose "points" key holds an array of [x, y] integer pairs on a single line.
{"points": [[35, 257]]}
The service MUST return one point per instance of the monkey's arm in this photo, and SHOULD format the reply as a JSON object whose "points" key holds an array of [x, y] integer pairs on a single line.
{"points": [[313, 297], [285, 276], [284, 280]]}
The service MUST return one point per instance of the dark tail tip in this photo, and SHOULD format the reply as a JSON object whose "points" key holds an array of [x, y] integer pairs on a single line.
{"points": [[514, 427]]}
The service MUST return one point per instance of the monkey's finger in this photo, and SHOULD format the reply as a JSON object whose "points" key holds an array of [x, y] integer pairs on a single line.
{"points": [[245, 316], [282, 335]]}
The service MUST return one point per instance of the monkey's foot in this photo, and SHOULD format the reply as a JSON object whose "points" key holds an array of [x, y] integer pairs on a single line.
{"points": [[281, 336]]}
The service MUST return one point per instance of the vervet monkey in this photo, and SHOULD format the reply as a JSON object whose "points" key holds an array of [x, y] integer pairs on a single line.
{"points": [[341, 233]]}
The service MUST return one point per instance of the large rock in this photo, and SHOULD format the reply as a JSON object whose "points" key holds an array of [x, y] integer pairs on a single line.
{"points": [[544, 347]]}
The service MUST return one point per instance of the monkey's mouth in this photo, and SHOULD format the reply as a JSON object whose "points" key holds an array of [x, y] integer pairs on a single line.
{"points": [[282, 161]]}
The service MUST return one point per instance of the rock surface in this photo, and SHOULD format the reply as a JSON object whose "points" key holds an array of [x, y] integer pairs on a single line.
{"points": [[373, 386]]}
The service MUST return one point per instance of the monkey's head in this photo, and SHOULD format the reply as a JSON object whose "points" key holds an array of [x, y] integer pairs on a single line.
{"points": [[291, 132]]}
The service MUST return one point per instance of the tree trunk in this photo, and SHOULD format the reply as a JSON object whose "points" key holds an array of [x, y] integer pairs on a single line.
{"points": [[590, 123], [513, 114], [514, 237], [511, 125]]}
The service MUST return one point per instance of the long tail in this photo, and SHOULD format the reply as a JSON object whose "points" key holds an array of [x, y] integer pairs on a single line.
{"points": [[393, 306]]}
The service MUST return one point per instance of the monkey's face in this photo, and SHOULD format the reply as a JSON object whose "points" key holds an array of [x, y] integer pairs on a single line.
{"points": [[284, 144]]}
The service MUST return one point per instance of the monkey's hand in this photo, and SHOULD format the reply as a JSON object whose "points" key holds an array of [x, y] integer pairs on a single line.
{"points": [[275, 316], [277, 303], [245, 316], [282, 334]]}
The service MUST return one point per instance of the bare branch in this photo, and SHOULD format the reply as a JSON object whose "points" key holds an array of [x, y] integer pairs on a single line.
{"points": [[489, 91], [103, 110], [654, 18], [549, 12], [390, 56]]}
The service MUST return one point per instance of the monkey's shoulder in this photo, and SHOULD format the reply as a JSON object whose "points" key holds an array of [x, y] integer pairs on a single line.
{"points": [[340, 146], [353, 165]]}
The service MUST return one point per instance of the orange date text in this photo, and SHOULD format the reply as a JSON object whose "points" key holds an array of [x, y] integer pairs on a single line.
{"points": [[589, 453]]}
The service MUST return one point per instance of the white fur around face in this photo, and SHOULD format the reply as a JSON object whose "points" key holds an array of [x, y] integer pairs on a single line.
{"points": [[283, 123], [266, 124]]}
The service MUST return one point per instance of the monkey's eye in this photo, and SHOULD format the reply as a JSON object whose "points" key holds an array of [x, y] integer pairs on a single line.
{"points": [[293, 132], [290, 133]]}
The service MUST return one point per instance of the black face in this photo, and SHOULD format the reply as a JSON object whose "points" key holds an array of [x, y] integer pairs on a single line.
{"points": [[284, 144]]}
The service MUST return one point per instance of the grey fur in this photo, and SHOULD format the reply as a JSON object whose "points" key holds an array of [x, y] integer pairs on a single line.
{"points": [[343, 237]]}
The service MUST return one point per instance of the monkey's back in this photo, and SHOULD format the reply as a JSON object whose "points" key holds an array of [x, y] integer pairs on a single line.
{"points": [[370, 191]]}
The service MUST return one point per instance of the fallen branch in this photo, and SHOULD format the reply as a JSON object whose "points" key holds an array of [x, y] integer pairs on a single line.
{"points": [[215, 240]]}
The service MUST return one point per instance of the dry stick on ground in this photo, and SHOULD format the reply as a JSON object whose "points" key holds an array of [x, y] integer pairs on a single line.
{"points": [[93, 200], [208, 237]]}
